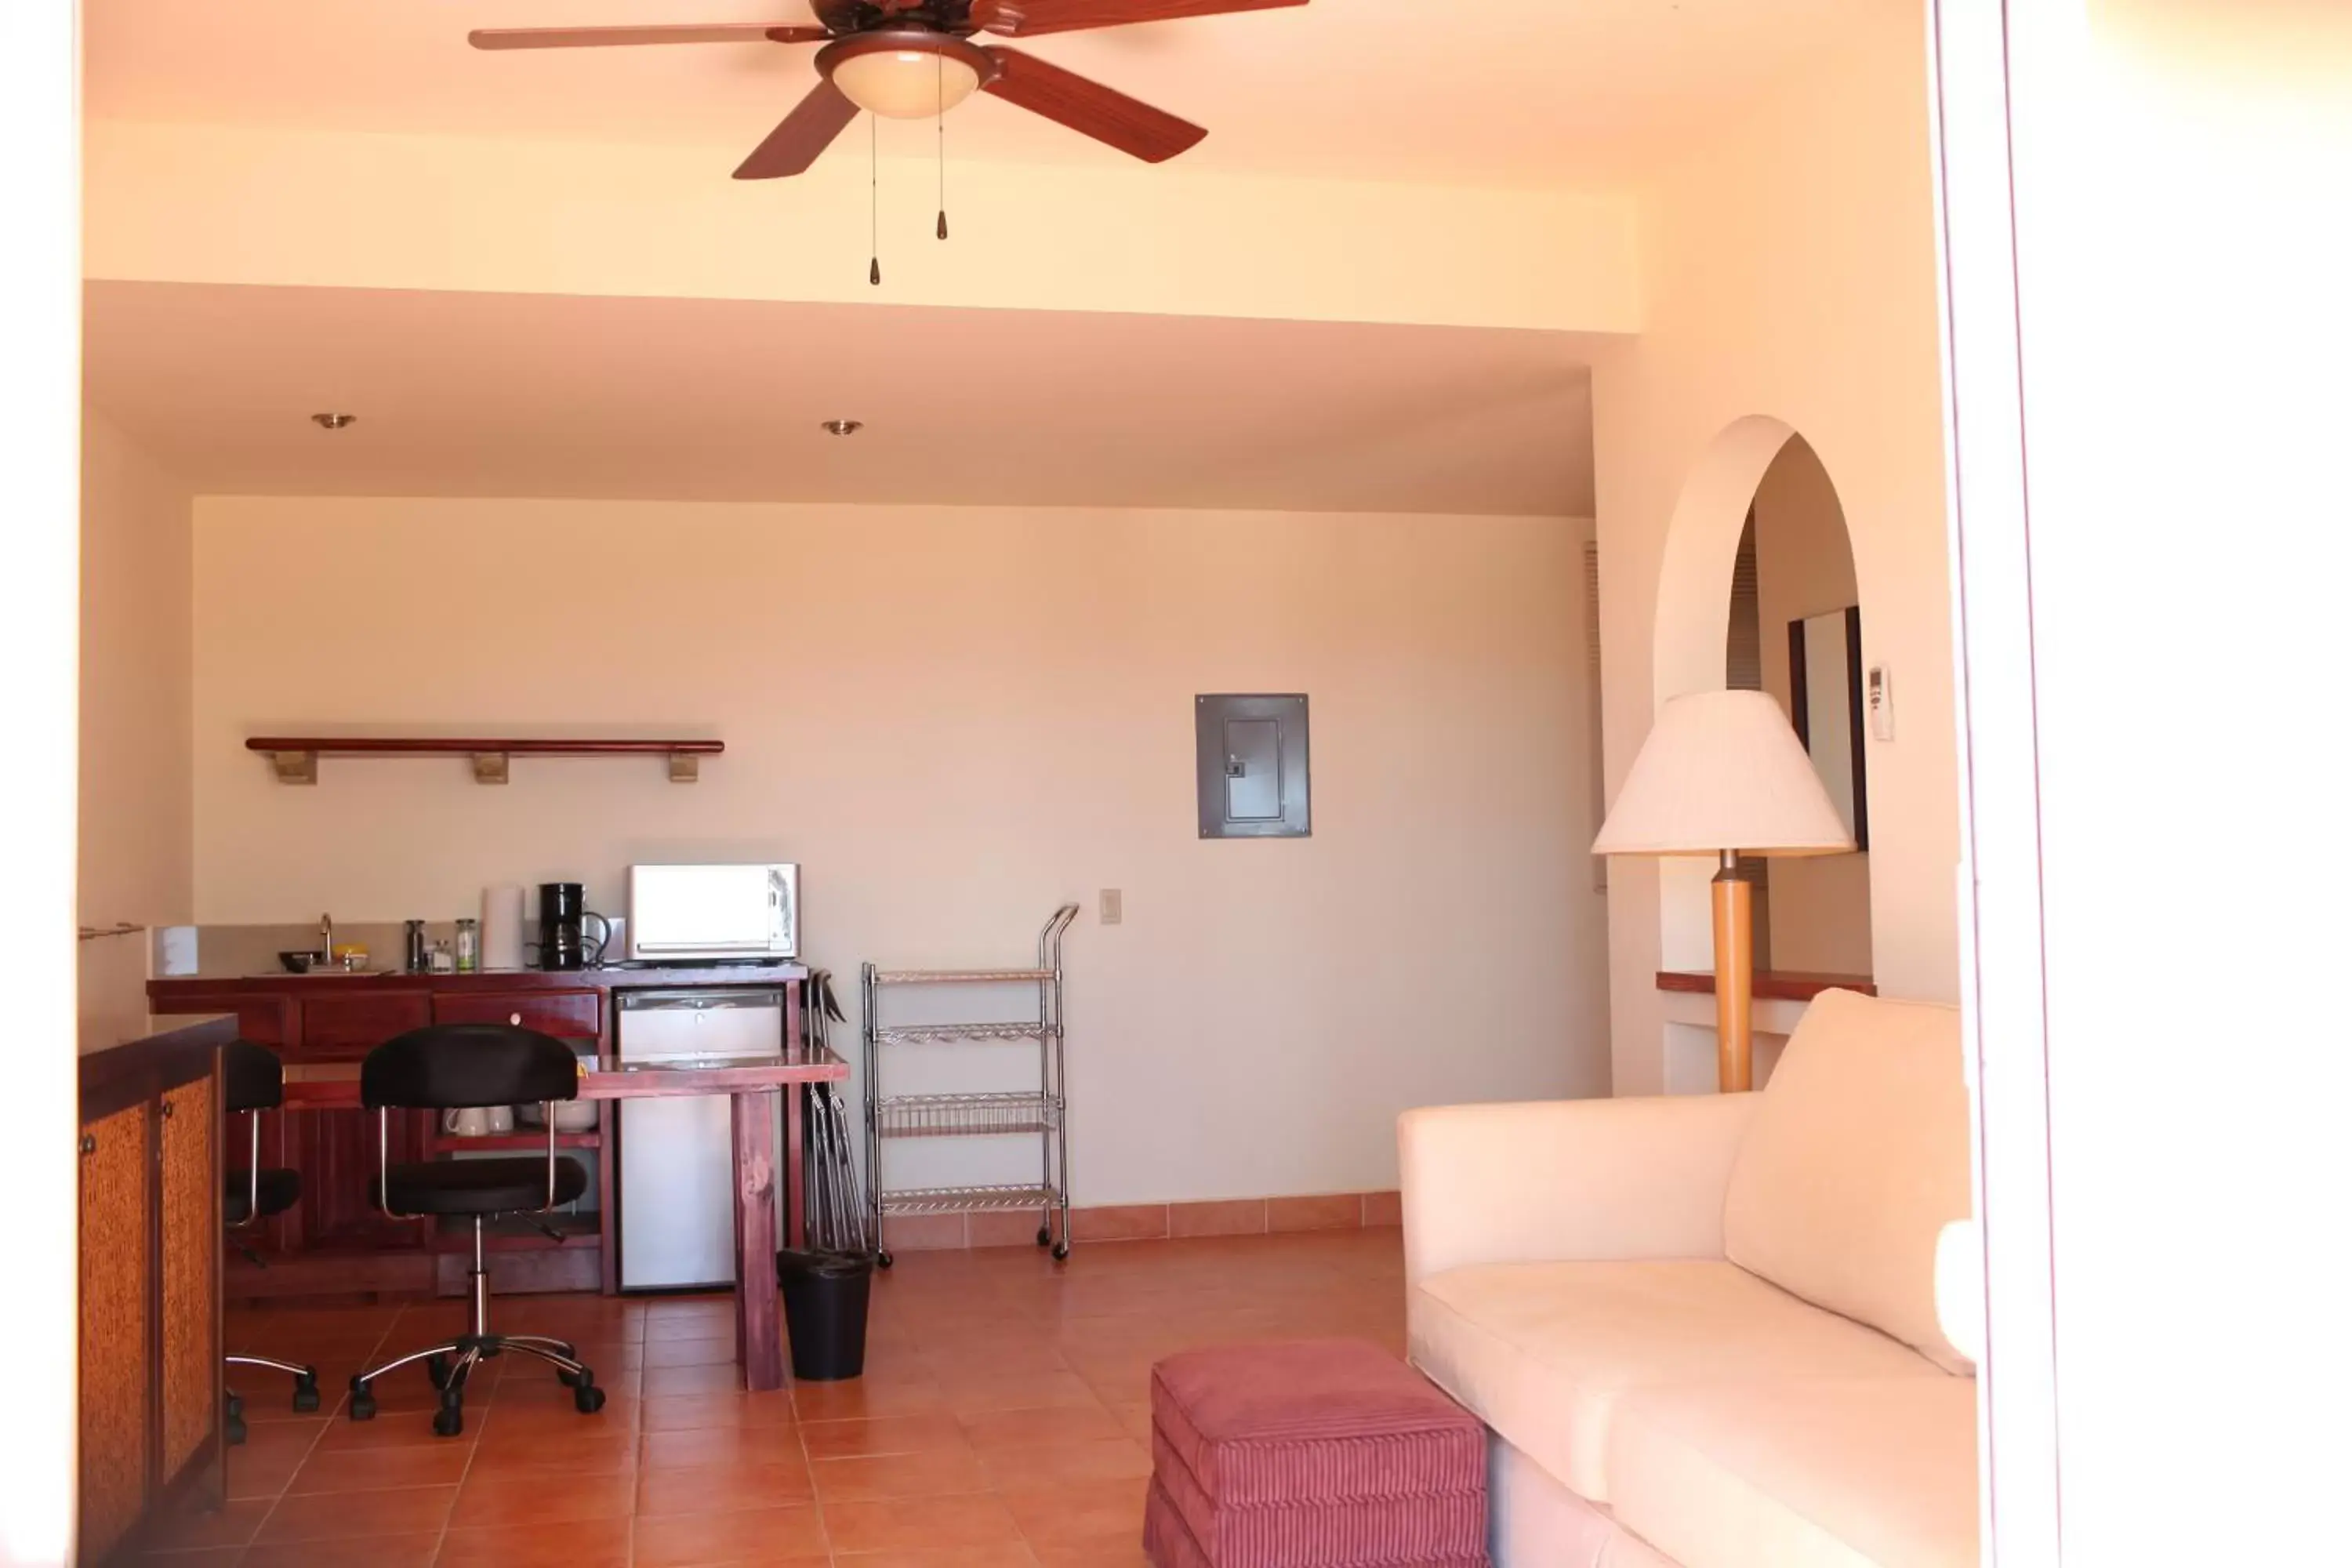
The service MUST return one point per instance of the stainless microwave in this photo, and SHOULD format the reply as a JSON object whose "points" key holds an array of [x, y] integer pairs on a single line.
{"points": [[714, 911]]}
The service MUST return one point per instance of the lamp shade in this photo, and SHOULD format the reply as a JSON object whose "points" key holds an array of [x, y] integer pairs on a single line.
{"points": [[1722, 770]]}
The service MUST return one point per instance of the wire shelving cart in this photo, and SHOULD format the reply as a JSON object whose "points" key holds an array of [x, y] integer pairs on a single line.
{"points": [[1043, 1112]]}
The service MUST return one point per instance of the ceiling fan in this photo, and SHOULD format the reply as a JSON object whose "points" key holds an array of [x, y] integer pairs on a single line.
{"points": [[910, 59]]}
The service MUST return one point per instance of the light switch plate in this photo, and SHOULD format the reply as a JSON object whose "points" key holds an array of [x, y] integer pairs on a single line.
{"points": [[1114, 906], [1880, 688]]}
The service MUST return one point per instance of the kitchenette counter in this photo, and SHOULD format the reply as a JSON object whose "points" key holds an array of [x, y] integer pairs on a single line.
{"points": [[323, 1025]]}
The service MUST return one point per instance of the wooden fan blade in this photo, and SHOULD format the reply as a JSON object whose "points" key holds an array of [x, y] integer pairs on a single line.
{"points": [[806, 132], [1090, 108], [606, 38], [1027, 18]]}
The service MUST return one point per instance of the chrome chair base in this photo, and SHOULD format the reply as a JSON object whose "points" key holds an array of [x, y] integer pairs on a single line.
{"points": [[452, 1361], [306, 1391]]}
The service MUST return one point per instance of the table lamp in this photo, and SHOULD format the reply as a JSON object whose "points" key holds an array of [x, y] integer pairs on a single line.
{"points": [[1723, 773]]}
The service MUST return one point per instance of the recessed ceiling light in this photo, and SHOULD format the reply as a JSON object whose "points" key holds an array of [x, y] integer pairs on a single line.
{"points": [[332, 421], [843, 427]]}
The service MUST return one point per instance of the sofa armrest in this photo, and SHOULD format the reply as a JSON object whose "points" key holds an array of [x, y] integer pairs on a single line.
{"points": [[1581, 1179]]}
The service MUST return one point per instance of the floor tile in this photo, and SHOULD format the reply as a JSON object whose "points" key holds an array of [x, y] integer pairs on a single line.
{"points": [[719, 1352], [973, 1394], [574, 1543], [1056, 1464], [682, 1412], [205, 1557], [909, 1523], [413, 1550], [765, 1535], [606, 1451], [939, 1472], [1084, 1512], [267, 1458], [356, 1470], [1002, 1554], [886, 1434], [194, 1528], [499, 1497], [667, 1381], [866, 1397], [719, 1446], [330, 1515], [722, 1488], [1017, 1428]]}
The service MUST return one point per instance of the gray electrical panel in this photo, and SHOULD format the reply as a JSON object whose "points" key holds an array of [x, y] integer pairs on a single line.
{"points": [[1251, 754]]}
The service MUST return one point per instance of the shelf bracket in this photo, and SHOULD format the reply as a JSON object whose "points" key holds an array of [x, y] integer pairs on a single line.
{"points": [[295, 767], [685, 767], [489, 767]]}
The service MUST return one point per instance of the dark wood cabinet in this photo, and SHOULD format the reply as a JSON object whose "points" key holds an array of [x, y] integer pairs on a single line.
{"points": [[344, 1027], [566, 1014], [149, 1242]]}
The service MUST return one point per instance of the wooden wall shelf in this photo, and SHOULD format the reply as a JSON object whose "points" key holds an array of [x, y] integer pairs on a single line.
{"points": [[295, 757], [1771, 985]]}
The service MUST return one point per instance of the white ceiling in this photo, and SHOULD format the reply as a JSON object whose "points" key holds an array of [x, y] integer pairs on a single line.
{"points": [[1506, 93], [485, 394]]}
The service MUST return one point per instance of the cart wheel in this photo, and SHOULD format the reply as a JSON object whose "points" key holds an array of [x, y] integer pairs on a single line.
{"points": [[1061, 1251], [1044, 1236], [883, 1260]]}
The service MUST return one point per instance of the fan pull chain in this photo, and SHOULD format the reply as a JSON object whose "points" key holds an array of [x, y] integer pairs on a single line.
{"points": [[941, 62], [874, 191]]}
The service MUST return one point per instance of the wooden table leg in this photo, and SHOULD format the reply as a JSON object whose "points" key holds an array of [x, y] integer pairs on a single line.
{"points": [[758, 1312]]}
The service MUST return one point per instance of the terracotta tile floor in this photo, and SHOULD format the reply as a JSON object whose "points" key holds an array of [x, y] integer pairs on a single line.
{"points": [[1002, 1422]]}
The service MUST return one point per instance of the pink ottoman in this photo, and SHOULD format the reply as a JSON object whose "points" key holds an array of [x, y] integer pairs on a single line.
{"points": [[1328, 1454]]}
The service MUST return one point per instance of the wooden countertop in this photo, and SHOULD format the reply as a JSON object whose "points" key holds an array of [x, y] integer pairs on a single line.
{"points": [[115, 1076], [187, 988], [1771, 985]]}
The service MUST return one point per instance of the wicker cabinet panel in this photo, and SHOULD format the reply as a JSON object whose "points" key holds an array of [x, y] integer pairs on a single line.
{"points": [[116, 1293], [192, 1258]]}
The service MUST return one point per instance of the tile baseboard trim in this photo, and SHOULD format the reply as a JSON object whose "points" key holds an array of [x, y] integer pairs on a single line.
{"points": [[1151, 1222]]}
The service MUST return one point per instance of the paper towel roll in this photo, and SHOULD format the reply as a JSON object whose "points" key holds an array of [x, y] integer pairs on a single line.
{"points": [[502, 928]]}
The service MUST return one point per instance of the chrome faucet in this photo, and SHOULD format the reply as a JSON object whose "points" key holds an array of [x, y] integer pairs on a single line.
{"points": [[326, 941]]}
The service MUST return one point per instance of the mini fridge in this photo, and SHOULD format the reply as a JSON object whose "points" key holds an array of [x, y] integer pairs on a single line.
{"points": [[675, 1172]]}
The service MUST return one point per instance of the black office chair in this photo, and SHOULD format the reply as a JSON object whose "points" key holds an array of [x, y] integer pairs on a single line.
{"points": [[253, 1081], [455, 1066]]}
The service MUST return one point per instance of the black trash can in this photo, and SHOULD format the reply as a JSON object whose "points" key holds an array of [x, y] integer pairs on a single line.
{"points": [[826, 1295]]}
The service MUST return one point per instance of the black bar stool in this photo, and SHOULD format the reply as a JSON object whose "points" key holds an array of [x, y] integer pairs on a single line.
{"points": [[253, 1081], [452, 1066]]}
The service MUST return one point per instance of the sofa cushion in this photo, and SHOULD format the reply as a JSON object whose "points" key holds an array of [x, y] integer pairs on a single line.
{"points": [[1856, 1159], [1543, 1352], [1843, 1473]]}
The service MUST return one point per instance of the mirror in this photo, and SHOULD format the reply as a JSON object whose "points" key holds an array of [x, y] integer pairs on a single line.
{"points": [[1826, 707]]}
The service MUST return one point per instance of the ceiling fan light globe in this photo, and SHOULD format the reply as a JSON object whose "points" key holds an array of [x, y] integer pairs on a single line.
{"points": [[906, 84]]}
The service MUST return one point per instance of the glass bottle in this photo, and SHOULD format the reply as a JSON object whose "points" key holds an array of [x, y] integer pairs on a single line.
{"points": [[470, 946]]}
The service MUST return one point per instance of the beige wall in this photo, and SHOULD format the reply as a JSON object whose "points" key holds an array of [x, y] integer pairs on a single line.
{"points": [[137, 821], [212, 203], [1790, 276], [955, 719], [1820, 908]]}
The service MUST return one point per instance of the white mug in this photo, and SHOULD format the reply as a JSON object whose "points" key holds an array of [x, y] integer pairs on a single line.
{"points": [[470, 1122], [502, 1119]]}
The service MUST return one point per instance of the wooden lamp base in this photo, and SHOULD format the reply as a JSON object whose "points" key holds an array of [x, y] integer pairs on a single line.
{"points": [[1735, 978]]}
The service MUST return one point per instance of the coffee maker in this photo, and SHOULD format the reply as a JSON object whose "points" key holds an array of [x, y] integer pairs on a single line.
{"points": [[566, 941]]}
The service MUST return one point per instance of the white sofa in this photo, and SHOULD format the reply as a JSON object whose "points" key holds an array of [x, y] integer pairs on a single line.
{"points": [[1703, 1330]]}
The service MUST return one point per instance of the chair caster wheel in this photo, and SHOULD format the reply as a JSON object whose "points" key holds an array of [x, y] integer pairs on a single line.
{"points": [[588, 1399], [582, 1379], [883, 1260], [448, 1421], [233, 1420], [306, 1393], [363, 1406], [1061, 1251]]}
